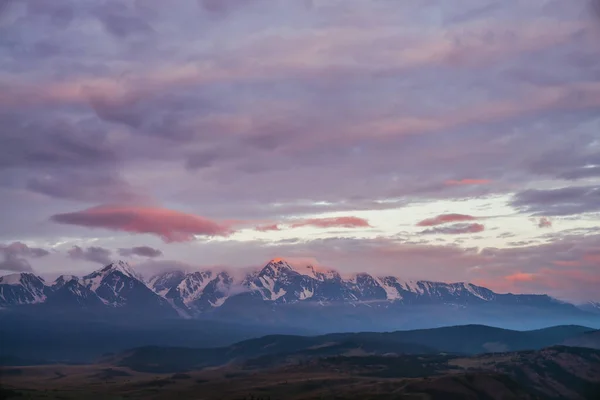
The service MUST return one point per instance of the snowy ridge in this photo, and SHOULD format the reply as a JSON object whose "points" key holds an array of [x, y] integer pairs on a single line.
{"points": [[63, 280], [162, 283], [391, 291], [115, 286], [23, 288], [188, 294], [12, 279], [475, 291], [192, 286]]}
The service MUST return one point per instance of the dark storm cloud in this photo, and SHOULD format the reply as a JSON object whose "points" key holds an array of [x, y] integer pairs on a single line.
{"points": [[142, 251], [94, 254]]}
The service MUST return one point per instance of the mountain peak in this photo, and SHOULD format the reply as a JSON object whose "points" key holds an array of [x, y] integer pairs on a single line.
{"points": [[12, 279], [281, 265], [63, 280], [278, 261], [122, 267], [277, 265], [17, 279]]}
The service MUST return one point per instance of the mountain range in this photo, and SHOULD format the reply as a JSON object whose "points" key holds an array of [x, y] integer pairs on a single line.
{"points": [[276, 349], [281, 293]]}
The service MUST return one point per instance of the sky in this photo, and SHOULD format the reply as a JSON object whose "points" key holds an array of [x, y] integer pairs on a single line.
{"points": [[432, 139]]}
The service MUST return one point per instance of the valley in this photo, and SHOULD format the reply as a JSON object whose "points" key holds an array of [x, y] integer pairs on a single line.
{"points": [[552, 373]]}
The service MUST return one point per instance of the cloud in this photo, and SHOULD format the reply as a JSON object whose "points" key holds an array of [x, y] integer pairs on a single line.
{"points": [[446, 218], [15, 256], [51, 141], [574, 161], [21, 249], [15, 265], [520, 277], [461, 182], [562, 201], [455, 229], [566, 268], [94, 254], [204, 159], [222, 6], [334, 222], [170, 225], [153, 267], [544, 222], [142, 251], [116, 21], [83, 185], [384, 256], [266, 228], [112, 102]]}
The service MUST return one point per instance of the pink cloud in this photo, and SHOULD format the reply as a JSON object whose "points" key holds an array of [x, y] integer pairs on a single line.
{"points": [[170, 225], [520, 277], [463, 182], [587, 259], [567, 263], [334, 222], [545, 222], [446, 218], [266, 228]]}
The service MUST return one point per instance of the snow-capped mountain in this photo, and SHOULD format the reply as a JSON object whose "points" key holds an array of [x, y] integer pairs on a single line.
{"points": [[278, 286], [162, 283], [21, 289], [280, 283], [114, 282], [62, 281], [69, 292], [116, 286]]}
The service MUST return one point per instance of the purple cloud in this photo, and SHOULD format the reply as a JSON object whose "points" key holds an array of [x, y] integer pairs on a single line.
{"points": [[446, 218], [170, 225], [142, 251], [455, 229], [15, 256], [261, 112], [94, 254], [562, 201]]}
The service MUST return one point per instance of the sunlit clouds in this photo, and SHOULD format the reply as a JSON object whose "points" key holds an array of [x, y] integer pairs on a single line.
{"points": [[430, 140], [171, 226]]}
